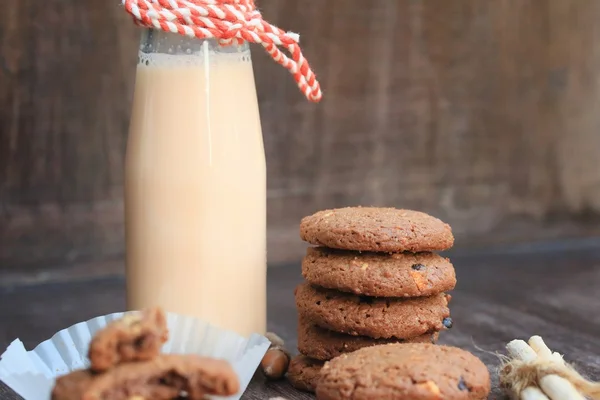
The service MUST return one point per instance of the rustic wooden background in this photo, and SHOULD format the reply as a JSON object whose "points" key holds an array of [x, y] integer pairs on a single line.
{"points": [[482, 113]]}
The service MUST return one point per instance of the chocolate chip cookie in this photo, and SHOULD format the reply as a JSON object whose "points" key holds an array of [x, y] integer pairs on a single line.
{"points": [[376, 229], [134, 337], [379, 274], [372, 316], [322, 344], [303, 373], [165, 377], [415, 371]]}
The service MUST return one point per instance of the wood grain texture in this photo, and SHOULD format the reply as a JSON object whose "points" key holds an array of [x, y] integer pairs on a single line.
{"points": [[499, 297], [481, 113], [471, 111], [66, 73]]}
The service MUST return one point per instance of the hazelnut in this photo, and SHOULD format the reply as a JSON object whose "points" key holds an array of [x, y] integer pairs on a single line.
{"points": [[275, 363]]}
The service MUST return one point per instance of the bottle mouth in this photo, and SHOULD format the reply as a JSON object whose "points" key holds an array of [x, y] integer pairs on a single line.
{"points": [[160, 42]]}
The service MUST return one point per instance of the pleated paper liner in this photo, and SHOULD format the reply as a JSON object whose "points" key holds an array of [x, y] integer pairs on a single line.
{"points": [[32, 373]]}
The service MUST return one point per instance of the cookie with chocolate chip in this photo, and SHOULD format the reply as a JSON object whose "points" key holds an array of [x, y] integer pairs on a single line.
{"points": [[417, 371], [375, 317], [137, 336], [375, 229], [165, 377], [322, 344], [379, 274], [303, 373]]}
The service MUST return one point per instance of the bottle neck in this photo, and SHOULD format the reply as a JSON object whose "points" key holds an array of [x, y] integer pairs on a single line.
{"points": [[155, 41]]}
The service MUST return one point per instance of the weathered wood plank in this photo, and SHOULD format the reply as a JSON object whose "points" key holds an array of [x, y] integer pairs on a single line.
{"points": [[66, 71]]}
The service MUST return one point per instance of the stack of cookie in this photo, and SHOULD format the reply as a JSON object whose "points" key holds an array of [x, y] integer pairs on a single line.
{"points": [[373, 279]]}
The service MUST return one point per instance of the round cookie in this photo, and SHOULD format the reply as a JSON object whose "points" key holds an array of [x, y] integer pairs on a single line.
{"points": [[415, 371], [371, 316], [376, 229], [378, 274], [303, 373], [322, 344]]}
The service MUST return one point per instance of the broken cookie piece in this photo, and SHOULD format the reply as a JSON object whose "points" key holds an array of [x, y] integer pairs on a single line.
{"points": [[137, 336], [165, 377]]}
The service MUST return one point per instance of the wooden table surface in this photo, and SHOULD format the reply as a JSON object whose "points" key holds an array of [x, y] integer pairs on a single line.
{"points": [[500, 296]]}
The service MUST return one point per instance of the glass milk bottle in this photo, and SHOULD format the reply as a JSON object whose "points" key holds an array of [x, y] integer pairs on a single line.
{"points": [[195, 184]]}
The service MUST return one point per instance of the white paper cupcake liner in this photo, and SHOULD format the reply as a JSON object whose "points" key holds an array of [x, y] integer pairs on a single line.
{"points": [[31, 374]]}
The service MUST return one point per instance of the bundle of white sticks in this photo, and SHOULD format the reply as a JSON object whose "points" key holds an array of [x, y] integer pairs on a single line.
{"points": [[534, 372]]}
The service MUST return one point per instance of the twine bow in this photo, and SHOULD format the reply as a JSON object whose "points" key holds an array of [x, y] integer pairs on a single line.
{"points": [[228, 21]]}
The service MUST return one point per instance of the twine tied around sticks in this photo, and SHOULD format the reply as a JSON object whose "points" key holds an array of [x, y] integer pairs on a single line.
{"points": [[230, 22], [534, 372], [517, 376]]}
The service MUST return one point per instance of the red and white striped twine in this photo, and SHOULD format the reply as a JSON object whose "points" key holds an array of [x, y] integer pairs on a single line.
{"points": [[228, 21]]}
